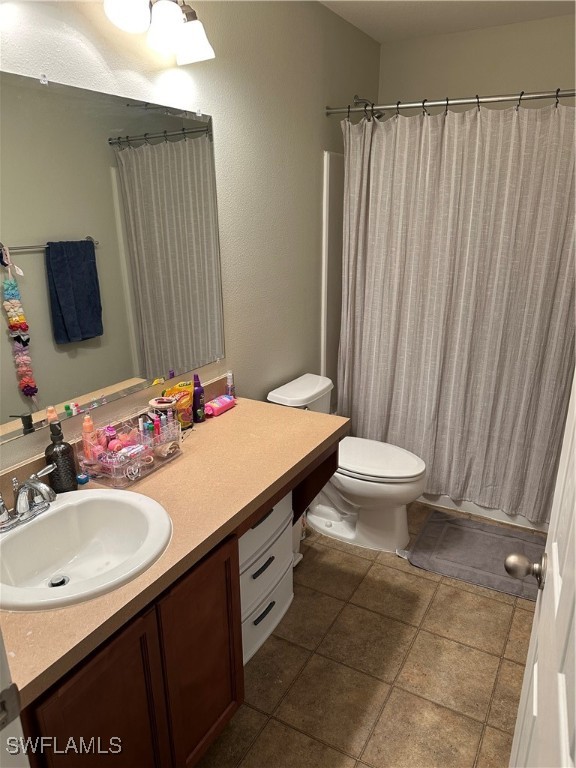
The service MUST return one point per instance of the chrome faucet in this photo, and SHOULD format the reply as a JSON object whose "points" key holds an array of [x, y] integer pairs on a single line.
{"points": [[30, 499]]}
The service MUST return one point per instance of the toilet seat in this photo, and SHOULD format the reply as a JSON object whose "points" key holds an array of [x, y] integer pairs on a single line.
{"points": [[376, 462]]}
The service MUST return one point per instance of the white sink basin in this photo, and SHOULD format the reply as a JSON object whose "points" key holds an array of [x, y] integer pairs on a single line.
{"points": [[94, 541]]}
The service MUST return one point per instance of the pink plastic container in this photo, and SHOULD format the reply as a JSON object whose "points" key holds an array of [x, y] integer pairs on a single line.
{"points": [[219, 405]]}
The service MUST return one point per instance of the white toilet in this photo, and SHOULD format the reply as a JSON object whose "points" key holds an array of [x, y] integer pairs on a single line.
{"points": [[364, 503]]}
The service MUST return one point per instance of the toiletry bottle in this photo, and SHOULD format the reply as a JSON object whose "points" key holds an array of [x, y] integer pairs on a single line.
{"points": [[63, 478], [198, 414], [230, 388], [51, 414], [89, 438]]}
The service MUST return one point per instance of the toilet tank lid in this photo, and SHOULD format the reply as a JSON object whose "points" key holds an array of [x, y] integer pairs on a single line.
{"points": [[302, 391]]}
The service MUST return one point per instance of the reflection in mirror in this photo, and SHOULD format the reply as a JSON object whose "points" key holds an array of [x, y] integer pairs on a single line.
{"points": [[149, 202]]}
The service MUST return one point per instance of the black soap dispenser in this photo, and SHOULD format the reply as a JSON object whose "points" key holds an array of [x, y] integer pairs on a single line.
{"points": [[63, 478]]}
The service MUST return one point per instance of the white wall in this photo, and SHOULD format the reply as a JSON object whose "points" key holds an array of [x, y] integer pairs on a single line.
{"points": [[278, 64], [529, 56]]}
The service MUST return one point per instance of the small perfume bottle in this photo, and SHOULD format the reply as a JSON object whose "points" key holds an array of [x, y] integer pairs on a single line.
{"points": [[230, 388]]}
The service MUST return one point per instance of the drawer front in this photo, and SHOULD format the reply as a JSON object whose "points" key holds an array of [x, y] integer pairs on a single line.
{"points": [[261, 575], [269, 524], [265, 618]]}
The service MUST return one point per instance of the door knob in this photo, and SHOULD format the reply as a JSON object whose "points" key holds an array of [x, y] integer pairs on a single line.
{"points": [[520, 566]]}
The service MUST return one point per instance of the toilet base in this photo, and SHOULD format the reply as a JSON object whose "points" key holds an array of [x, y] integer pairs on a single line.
{"points": [[384, 530]]}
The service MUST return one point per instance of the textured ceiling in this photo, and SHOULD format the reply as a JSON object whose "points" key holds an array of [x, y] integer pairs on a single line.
{"points": [[394, 20]]}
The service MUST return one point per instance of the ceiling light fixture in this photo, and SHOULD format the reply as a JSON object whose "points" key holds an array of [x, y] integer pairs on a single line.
{"points": [[129, 15], [192, 44], [173, 27]]}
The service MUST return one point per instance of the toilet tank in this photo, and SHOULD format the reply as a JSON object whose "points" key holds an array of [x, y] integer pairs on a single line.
{"points": [[308, 391]]}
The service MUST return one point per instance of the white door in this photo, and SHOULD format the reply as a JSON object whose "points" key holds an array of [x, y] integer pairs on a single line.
{"points": [[11, 734], [545, 728]]}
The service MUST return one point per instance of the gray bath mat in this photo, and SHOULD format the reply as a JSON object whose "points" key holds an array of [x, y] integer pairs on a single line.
{"points": [[475, 552]]}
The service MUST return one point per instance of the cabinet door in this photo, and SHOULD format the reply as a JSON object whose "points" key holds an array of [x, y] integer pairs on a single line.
{"points": [[201, 642], [111, 711]]}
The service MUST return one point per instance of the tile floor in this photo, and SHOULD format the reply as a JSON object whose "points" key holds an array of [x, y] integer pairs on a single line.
{"points": [[380, 664]]}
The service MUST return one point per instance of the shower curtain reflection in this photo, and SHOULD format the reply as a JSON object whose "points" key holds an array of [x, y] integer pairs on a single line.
{"points": [[458, 296], [169, 197]]}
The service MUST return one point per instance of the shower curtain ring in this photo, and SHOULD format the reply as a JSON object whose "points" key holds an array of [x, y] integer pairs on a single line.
{"points": [[446, 110], [397, 109], [519, 100], [425, 111], [372, 109], [166, 137], [348, 115], [557, 98], [366, 111], [184, 134], [478, 102], [146, 139]]}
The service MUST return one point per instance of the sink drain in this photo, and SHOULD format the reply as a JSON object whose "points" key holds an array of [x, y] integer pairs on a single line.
{"points": [[59, 580]]}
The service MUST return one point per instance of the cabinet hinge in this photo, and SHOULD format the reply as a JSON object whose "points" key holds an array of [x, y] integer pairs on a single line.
{"points": [[9, 704]]}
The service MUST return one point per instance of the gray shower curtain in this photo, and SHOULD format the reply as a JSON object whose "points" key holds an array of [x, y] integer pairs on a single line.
{"points": [[457, 338]]}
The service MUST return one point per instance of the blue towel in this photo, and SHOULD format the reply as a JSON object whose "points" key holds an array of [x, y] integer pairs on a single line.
{"points": [[74, 291]]}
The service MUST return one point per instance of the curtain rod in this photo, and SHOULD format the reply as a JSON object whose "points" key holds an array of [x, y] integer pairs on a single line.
{"points": [[18, 248], [162, 135], [424, 104]]}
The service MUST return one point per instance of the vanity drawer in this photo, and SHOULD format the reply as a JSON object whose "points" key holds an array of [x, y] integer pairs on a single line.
{"points": [[261, 575], [269, 524], [265, 618]]}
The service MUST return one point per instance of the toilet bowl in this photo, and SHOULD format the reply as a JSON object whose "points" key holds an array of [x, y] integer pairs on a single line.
{"points": [[364, 502]]}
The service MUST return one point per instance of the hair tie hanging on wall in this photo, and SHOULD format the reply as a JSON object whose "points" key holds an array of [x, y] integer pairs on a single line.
{"points": [[18, 328]]}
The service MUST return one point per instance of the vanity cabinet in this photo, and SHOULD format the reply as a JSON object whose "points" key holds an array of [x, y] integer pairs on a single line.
{"points": [[201, 642], [163, 687], [113, 702]]}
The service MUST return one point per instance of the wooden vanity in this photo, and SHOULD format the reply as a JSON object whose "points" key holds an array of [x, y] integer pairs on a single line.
{"points": [[156, 665]]}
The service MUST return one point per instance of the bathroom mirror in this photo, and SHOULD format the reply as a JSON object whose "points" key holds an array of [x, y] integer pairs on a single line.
{"points": [[60, 182]]}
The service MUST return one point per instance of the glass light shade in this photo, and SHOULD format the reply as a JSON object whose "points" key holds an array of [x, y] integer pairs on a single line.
{"points": [[129, 15], [192, 44], [167, 19]]}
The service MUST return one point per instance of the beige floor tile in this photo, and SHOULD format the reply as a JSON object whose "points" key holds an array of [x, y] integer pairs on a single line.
{"points": [[469, 618], [417, 516], [309, 617], [368, 642], [235, 740], [451, 674], [495, 749], [334, 703], [504, 706], [330, 571], [344, 546], [394, 593], [269, 673], [519, 638], [502, 597], [413, 733], [281, 747], [526, 605], [393, 561]]}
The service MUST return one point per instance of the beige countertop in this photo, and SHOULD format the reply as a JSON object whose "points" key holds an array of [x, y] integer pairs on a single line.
{"points": [[231, 465]]}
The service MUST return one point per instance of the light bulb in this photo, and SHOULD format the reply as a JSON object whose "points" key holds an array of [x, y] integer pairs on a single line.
{"points": [[129, 15], [165, 26], [192, 44]]}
